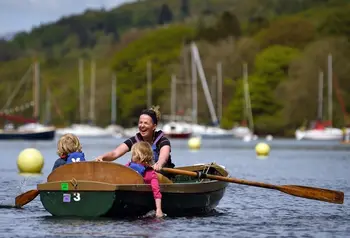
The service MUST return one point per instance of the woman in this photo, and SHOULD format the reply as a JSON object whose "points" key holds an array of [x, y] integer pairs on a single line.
{"points": [[161, 147]]}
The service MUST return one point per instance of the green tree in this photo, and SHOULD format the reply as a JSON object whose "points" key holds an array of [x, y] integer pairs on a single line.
{"points": [[271, 69], [228, 25], [185, 8], [256, 24], [165, 15], [289, 31], [337, 24], [8, 51]]}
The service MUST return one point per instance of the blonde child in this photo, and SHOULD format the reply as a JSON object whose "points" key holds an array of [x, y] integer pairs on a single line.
{"points": [[69, 150], [141, 162]]}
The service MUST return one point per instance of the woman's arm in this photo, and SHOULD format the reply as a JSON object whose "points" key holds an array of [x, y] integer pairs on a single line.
{"points": [[163, 157], [114, 154]]}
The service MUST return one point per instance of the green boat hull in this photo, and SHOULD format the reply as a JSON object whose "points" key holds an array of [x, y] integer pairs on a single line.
{"points": [[94, 189], [127, 203]]}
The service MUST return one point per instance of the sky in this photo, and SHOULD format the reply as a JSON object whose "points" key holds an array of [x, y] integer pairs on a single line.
{"points": [[19, 15]]}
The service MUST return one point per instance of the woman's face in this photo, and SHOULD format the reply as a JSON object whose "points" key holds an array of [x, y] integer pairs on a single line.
{"points": [[146, 126]]}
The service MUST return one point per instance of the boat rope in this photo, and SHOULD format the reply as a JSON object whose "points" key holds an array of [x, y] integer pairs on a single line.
{"points": [[15, 92], [20, 108]]}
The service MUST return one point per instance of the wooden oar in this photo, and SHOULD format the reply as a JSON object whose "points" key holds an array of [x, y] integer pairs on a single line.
{"points": [[26, 197], [321, 194]]}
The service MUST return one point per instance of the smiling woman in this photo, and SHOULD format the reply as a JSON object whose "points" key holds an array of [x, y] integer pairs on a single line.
{"points": [[148, 132]]}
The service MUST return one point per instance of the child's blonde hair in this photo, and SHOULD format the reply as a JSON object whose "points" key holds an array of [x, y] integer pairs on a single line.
{"points": [[141, 152], [68, 143]]}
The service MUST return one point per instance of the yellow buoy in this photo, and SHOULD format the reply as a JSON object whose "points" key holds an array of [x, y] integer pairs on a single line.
{"points": [[262, 149], [194, 143], [30, 160]]}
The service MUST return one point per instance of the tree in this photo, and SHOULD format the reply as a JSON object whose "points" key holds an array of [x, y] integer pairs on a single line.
{"points": [[8, 51], [228, 25], [185, 8], [165, 16], [337, 24], [271, 69], [256, 24], [290, 31]]}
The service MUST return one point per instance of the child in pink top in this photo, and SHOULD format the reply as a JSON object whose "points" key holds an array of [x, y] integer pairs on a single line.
{"points": [[141, 162]]}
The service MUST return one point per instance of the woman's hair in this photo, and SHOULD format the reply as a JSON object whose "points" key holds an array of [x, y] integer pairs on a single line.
{"points": [[156, 111], [141, 152], [68, 143], [153, 112]]}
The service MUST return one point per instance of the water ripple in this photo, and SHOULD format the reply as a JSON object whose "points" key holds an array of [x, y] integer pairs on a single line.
{"points": [[244, 211]]}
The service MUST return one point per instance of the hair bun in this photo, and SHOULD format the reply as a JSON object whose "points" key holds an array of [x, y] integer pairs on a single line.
{"points": [[157, 111]]}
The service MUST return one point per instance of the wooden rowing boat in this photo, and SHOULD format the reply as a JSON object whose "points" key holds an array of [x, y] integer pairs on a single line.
{"points": [[94, 189]]}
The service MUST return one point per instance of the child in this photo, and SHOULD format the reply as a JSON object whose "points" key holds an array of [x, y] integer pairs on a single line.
{"points": [[69, 150], [141, 162]]}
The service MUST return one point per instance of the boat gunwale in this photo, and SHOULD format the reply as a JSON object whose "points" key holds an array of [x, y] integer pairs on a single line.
{"points": [[84, 185]]}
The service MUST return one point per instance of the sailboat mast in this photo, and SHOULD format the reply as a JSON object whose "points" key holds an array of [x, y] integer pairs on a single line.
{"points": [[114, 100], [194, 90], [320, 96], [36, 91], [92, 96], [149, 84], [204, 83], [330, 96], [173, 97], [48, 107], [81, 91], [247, 97], [219, 90]]}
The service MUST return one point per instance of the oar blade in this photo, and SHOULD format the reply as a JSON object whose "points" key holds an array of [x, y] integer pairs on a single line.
{"points": [[26, 197], [320, 194]]}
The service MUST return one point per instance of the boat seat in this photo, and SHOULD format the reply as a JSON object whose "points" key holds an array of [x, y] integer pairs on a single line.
{"points": [[105, 172], [163, 179]]}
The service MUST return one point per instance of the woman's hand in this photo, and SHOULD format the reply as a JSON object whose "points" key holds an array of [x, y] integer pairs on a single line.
{"points": [[99, 158], [157, 167]]}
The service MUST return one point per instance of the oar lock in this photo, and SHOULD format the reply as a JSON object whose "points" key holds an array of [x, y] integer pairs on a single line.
{"points": [[201, 175]]}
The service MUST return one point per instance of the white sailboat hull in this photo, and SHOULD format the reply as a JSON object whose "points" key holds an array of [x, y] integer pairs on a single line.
{"points": [[325, 134], [241, 132], [82, 130]]}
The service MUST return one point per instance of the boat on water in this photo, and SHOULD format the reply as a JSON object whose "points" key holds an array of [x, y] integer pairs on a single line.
{"points": [[180, 130], [86, 130], [108, 189], [20, 127], [319, 131], [30, 131]]}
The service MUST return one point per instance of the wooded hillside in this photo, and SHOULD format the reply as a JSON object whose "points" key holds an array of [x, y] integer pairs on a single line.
{"points": [[284, 43]]}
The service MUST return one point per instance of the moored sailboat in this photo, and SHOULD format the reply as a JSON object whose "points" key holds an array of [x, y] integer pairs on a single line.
{"points": [[322, 130], [31, 128]]}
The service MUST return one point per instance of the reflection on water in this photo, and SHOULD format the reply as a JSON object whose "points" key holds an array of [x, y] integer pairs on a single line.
{"points": [[244, 211]]}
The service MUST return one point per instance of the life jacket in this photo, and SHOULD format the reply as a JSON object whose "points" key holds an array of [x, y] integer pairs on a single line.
{"points": [[140, 168], [154, 146], [75, 157]]}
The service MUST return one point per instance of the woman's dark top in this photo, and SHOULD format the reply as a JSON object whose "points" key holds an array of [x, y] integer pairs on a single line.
{"points": [[162, 141]]}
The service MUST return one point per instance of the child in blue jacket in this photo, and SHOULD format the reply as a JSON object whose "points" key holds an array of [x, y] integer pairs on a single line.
{"points": [[69, 150]]}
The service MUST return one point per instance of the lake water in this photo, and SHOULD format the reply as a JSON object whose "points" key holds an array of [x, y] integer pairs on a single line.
{"points": [[244, 211]]}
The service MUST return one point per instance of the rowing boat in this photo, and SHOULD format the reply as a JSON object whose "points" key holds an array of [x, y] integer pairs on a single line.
{"points": [[98, 189]]}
